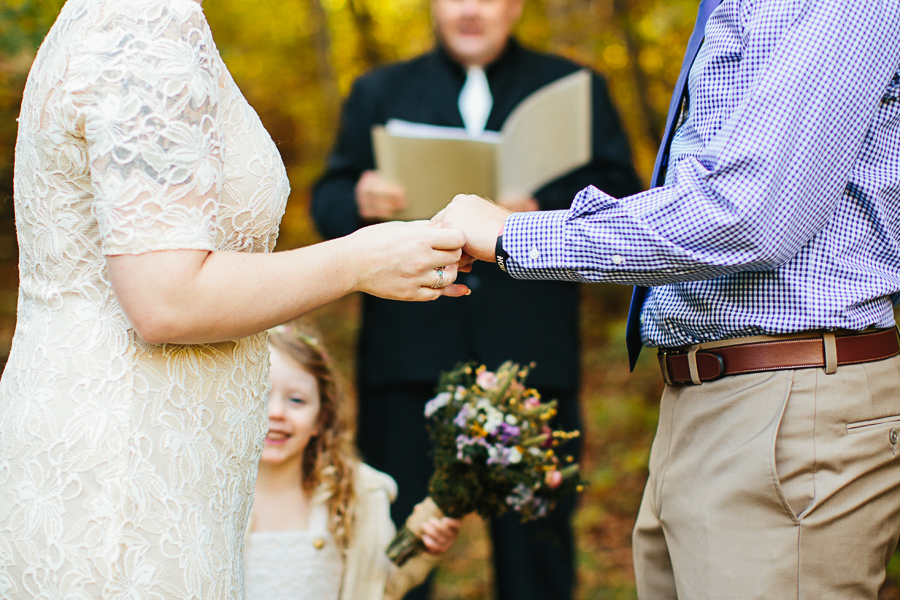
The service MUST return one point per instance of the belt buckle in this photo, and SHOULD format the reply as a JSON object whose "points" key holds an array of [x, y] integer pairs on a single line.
{"points": [[662, 355]]}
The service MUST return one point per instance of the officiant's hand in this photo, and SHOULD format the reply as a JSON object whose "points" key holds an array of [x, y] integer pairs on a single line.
{"points": [[378, 199], [479, 220]]}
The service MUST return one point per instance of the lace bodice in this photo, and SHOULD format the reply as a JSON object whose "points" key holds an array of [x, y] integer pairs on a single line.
{"points": [[293, 565], [126, 469]]}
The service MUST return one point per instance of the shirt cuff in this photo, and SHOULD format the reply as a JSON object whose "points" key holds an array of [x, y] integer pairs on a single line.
{"points": [[536, 244]]}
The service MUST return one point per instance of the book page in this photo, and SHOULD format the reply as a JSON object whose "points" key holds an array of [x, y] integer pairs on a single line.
{"points": [[399, 127], [434, 169], [546, 136]]}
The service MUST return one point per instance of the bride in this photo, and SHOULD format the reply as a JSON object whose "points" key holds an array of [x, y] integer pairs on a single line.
{"points": [[132, 410]]}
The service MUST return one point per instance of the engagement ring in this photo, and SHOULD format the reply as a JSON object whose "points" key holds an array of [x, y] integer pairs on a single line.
{"points": [[440, 280]]}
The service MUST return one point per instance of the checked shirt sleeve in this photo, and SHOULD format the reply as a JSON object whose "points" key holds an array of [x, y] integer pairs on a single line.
{"points": [[783, 95]]}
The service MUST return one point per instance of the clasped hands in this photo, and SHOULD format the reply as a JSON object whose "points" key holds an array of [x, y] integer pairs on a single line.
{"points": [[479, 220], [421, 259]]}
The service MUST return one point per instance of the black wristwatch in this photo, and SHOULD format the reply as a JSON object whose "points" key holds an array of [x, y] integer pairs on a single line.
{"points": [[500, 253]]}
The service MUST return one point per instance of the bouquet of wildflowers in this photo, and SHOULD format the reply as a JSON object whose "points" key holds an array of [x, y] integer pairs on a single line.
{"points": [[494, 451]]}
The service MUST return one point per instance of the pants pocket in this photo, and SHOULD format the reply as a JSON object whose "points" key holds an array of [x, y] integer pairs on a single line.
{"points": [[888, 428], [794, 449], [882, 422]]}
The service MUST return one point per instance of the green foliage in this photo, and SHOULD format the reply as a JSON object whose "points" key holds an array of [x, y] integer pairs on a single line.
{"points": [[24, 23]]}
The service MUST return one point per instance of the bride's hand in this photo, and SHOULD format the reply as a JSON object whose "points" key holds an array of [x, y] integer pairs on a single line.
{"points": [[407, 261]]}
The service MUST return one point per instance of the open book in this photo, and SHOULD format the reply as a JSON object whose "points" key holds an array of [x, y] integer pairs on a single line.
{"points": [[545, 137]]}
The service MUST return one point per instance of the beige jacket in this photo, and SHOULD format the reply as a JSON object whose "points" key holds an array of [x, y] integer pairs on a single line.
{"points": [[368, 573]]}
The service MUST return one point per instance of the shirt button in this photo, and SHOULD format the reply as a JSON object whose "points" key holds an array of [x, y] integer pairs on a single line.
{"points": [[894, 435], [534, 254], [618, 259], [318, 543]]}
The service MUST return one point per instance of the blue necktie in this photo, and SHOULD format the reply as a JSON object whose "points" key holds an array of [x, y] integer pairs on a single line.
{"points": [[633, 328]]}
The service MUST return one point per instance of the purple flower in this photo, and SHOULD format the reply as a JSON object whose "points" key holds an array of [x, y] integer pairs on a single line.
{"points": [[464, 442], [506, 432], [462, 418], [501, 455], [520, 496]]}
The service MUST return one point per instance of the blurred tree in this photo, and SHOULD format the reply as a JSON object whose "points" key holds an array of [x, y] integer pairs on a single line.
{"points": [[294, 59]]}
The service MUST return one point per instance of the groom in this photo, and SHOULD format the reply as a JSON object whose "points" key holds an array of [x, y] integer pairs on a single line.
{"points": [[768, 259]]}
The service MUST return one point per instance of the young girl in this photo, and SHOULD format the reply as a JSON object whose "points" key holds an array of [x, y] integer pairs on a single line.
{"points": [[320, 521]]}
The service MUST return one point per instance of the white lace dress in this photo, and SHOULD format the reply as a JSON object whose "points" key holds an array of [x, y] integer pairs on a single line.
{"points": [[294, 565], [126, 469]]}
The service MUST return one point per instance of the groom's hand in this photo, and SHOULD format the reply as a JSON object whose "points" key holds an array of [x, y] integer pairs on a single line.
{"points": [[480, 220]]}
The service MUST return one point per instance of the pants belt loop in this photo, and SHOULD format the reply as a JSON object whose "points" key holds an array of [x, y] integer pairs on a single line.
{"points": [[663, 357], [830, 347], [692, 364]]}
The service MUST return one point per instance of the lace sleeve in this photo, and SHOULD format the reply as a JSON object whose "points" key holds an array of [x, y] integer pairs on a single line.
{"points": [[149, 95]]}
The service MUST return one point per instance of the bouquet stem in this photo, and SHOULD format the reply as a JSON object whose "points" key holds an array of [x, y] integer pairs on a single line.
{"points": [[408, 541]]}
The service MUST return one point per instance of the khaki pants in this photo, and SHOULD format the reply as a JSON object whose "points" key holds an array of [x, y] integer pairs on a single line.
{"points": [[773, 486]]}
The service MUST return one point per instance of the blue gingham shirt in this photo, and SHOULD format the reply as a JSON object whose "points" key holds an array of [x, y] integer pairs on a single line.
{"points": [[781, 208]]}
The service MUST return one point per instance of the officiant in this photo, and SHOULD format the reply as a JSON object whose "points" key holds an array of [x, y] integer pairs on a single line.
{"points": [[473, 79]]}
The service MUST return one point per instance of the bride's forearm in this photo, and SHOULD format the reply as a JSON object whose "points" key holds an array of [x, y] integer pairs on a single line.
{"points": [[192, 296], [195, 296]]}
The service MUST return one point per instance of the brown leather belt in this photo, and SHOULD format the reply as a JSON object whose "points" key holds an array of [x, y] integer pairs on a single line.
{"points": [[825, 350]]}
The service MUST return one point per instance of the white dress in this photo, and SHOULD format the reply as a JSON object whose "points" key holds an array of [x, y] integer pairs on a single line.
{"points": [[127, 469], [294, 565]]}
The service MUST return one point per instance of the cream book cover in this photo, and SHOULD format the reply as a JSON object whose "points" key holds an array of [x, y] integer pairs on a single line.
{"points": [[545, 137]]}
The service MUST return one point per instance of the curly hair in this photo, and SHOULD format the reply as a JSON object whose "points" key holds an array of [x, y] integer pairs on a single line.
{"points": [[330, 459]]}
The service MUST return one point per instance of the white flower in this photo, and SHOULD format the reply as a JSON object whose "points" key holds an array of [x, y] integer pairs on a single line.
{"points": [[515, 456], [437, 402], [493, 421]]}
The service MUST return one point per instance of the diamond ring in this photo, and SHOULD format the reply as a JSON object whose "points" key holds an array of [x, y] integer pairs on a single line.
{"points": [[440, 278]]}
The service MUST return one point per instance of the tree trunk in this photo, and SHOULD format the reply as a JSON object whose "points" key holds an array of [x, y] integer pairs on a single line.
{"points": [[653, 123], [362, 19], [321, 40]]}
